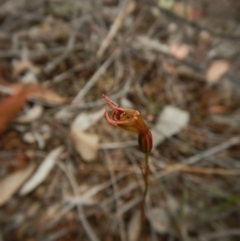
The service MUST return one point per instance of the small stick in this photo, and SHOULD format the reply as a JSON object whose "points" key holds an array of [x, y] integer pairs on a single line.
{"points": [[115, 190], [94, 78], [126, 9], [73, 183]]}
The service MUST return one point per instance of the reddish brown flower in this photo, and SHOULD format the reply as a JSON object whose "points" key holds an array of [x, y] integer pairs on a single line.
{"points": [[129, 120]]}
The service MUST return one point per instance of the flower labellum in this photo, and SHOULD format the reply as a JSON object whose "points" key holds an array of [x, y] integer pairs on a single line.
{"points": [[129, 120]]}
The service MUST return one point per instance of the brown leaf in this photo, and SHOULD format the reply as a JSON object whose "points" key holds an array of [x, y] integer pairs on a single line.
{"points": [[13, 104], [49, 96], [186, 11], [179, 51], [44, 94], [194, 14], [216, 70], [217, 109], [11, 183]]}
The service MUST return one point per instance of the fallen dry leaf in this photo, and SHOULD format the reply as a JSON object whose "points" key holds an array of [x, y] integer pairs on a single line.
{"points": [[81, 199], [194, 14], [11, 183], [49, 29], [31, 115], [170, 122], [13, 104], [38, 136], [49, 96], [85, 120], [85, 143], [42, 172], [216, 70], [179, 51], [159, 220], [174, 206], [134, 226], [186, 10], [217, 109], [161, 217], [43, 94], [166, 4], [25, 72]]}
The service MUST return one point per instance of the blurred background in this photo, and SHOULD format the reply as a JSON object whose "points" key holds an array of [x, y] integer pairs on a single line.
{"points": [[65, 173]]}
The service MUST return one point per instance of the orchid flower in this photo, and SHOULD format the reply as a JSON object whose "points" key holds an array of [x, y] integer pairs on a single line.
{"points": [[129, 120]]}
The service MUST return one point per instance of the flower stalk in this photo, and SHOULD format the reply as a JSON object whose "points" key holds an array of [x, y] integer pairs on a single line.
{"points": [[131, 120]]}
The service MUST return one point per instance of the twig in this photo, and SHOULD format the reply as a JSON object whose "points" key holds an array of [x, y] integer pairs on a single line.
{"points": [[99, 102], [91, 192], [94, 78], [117, 145], [92, 236], [204, 170], [168, 169], [127, 86], [115, 190], [139, 91], [56, 235], [70, 46], [214, 150], [153, 44], [105, 203], [221, 234], [37, 54], [129, 205], [210, 152], [127, 8], [1, 237], [198, 27], [65, 208], [144, 188], [69, 73]]}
